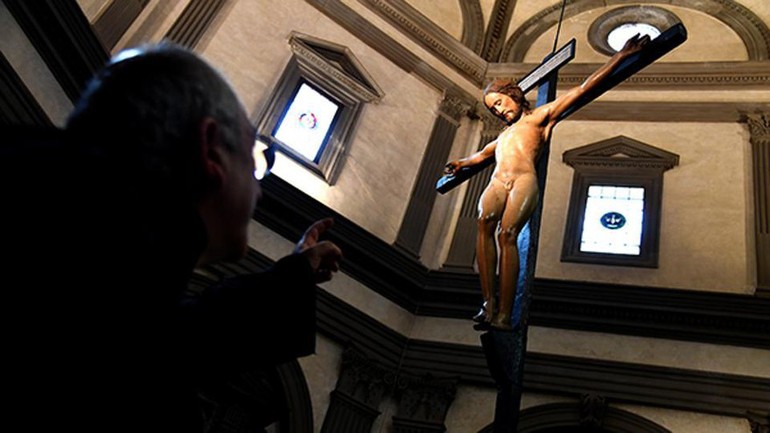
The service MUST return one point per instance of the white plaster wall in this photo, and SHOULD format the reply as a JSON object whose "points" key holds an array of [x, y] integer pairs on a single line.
{"points": [[704, 233], [32, 70], [377, 177]]}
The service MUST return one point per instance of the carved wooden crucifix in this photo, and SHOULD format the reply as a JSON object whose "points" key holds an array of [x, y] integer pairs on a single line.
{"points": [[505, 351]]}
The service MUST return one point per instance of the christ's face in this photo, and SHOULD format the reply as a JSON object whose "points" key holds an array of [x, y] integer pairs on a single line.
{"points": [[503, 106]]}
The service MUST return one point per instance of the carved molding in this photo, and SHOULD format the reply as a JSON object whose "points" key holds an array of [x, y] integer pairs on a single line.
{"points": [[364, 379], [690, 315], [385, 351], [425, 399], [303, 48], [636, 155], [473, 25], [385, 45], [759, 126], [747, 25], [497, 28], [455, 107], [663, 76], [430, 36], [566, 417]]}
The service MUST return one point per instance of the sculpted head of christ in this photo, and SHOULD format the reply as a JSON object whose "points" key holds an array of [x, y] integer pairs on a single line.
{"points": [[505, 99]]}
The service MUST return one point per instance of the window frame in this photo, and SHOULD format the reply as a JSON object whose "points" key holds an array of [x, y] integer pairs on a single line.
{"points": [[640, 165], [334, 72]]}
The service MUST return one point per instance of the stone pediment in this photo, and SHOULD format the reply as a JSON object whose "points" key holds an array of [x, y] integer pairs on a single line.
{"points": [[335, 64], [621, 151]]}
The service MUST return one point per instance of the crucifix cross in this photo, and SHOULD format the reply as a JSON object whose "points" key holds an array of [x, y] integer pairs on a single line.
{"points": [[657, 48], [505, 351]]}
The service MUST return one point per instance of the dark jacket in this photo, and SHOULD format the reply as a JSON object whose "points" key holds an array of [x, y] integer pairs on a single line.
{"points": [[98, 332]]}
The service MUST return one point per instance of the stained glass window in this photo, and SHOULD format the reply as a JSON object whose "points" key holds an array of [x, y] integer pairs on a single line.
{"points": [[613, 219], [307, 122]]}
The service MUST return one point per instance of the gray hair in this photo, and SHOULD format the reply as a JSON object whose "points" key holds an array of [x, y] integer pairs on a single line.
{"points": [[143, 112]]}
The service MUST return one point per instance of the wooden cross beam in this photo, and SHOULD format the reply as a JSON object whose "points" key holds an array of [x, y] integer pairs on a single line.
{"points": [[654, 50]]}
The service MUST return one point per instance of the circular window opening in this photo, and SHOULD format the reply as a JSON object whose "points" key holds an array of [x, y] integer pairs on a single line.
{"points": [[619, 35], [610, 31]]}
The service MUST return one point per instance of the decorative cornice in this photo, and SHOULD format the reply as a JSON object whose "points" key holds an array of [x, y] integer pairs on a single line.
{"points": [[657, 111], [385, 45], [396, 362], [638, 155], [689, 315], [662, 76], [430, 36]]}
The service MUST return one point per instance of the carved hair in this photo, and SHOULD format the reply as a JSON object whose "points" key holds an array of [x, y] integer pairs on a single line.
{"points": [[510, 88]]}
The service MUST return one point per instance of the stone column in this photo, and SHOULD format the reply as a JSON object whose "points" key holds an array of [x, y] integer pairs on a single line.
{"points": [[463, 248], [63, 37], [759, 126], [354, 404], [196, 18], [412, 231], [423, 404]]}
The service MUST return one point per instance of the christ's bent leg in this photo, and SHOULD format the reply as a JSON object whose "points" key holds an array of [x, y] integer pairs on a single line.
{"points": [[491, 206], [521, 203]]}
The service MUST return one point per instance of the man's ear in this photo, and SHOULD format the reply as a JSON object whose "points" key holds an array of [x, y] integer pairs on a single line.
{"points": [[211, 148]]}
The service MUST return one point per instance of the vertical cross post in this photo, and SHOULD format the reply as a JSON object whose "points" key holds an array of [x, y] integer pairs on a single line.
{"points": [[505, 351]]}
